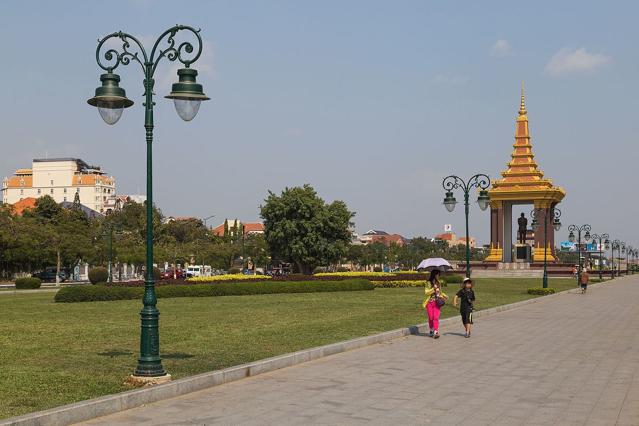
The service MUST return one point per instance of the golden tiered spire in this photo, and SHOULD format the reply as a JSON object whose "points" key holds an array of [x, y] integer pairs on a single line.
{"points": [[523, 174], [522, 106]]}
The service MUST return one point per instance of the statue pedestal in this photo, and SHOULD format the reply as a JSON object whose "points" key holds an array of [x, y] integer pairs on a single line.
{"points": [[523, 253]]}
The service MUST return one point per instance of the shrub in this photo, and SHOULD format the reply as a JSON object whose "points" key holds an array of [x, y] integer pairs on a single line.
{"points": [[377, 269], [399, 283], [234, 271], [107, 293], [229, 277], [98, 275], [539, 291], [28, 283], [342, 269], [453, 278]]}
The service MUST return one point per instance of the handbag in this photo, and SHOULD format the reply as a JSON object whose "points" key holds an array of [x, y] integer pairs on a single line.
{"points": [[440, 301]]}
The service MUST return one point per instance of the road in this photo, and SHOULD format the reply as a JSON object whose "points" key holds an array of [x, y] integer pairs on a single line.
{"points": [[568, 360]]}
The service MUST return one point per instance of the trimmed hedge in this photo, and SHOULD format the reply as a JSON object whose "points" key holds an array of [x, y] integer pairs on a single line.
{"points": [[98, 274], [107, 293], [453, 278], [28, 283], [539, 291], [400, 276], [399, 284]]}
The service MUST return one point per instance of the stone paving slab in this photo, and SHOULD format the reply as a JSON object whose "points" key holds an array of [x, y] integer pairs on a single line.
{"points": [[571, 360]]}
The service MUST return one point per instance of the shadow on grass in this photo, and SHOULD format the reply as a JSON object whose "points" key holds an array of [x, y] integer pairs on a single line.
{"points": [[115, 352], [177, 355]]}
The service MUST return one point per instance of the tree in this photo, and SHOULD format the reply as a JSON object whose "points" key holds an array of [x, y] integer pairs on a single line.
{"points": [[300, 227]]}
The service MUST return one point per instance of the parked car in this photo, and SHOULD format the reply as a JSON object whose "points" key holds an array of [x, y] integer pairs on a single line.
{"points": [[170, 274], [48, 275]]}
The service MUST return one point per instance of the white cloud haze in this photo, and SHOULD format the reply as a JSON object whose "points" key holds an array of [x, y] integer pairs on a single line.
{"points": [[500, 48], [567, 61]]}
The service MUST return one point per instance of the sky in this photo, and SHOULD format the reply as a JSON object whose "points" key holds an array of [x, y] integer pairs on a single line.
{"points": [[370, 102]]}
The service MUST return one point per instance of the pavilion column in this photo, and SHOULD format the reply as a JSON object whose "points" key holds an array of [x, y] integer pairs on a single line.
{"points": [[496, 232]]}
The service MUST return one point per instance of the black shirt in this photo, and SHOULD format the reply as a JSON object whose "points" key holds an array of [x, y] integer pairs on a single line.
{"points": [[467, 297]]}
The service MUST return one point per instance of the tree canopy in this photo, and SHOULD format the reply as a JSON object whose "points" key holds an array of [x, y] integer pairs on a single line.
{"points": [[301, 228]]}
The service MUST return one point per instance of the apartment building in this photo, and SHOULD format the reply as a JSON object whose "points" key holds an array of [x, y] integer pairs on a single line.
{"points": [[61, 178]]}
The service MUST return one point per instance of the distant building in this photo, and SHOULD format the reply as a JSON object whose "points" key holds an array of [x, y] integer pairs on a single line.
{"points": [[231, 225], [30, 203], [61, 178], [451, 239], [383, 237]]}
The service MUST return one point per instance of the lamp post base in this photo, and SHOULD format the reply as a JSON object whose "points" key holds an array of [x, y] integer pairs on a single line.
{"points": [[145, 381]]}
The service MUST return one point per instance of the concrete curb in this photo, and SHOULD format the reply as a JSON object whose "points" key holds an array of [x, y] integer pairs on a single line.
{"points": [[102, 406]]}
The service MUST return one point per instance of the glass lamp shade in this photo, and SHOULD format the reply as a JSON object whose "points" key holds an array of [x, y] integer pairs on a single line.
{"points": [[587, 236], [535, 224], [110, 98], [556, 224], [607, 246], [483, 200], [187, 94], [110, 115], [450, 201], [571, 237], [187, 109]]}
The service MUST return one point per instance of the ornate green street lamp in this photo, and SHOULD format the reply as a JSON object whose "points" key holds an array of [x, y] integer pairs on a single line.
{"points": [[555, 213], [616, 245], [479, 181], [579, 229], [603, 244], [110, 99]]}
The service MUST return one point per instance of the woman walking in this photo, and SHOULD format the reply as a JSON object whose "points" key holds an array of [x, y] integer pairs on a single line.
{"points": [[467, 297], [435, 299]]}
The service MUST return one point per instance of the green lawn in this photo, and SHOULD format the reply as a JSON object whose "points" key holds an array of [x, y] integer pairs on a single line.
{"points": [[57, 353]]}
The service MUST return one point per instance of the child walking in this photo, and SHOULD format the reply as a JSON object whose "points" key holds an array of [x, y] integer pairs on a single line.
{"points": [[435, 299], [467, 296]]}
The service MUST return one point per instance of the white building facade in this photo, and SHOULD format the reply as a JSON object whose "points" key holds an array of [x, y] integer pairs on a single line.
{"points": [[61, 178]]}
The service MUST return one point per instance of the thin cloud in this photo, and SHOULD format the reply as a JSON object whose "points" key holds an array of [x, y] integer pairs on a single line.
{"points": [[567, 61], [501, 48], [449, 80]]}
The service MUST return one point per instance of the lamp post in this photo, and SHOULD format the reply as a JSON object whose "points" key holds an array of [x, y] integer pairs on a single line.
{"points": [[628, 251], [616, 245], [110, 99], [108, 233], [555, 213], [604, 244], [479, 181], [571, 237]]}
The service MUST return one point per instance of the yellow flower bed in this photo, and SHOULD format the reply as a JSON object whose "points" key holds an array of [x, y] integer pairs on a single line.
{"points": [[399, 283], [363, 274], [354, 274], [228, 277]]}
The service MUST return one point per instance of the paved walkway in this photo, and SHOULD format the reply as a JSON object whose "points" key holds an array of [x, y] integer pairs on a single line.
{"points": [[569, 360]]}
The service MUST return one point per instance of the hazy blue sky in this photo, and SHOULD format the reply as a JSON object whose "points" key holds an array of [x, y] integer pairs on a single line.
{"points": [[371, 102]]}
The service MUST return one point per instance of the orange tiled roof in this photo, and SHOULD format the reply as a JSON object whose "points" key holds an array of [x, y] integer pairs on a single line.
{"points": [[91, 180], [445, 236], [253, 227], [20, 182], [24, 204]]}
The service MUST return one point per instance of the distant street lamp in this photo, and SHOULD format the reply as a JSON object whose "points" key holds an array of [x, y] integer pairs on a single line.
{"points": [[616, 245], [603, 244], [571, 237], [555, 213], [108, 233], [629, 250], [479, 181], [110, 99]]}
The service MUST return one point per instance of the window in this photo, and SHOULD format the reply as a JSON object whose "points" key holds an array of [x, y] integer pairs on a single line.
{"points": [[65, 190], [52, 190], [77, 190], [65, 198], [51, 183], [22, 192], [39, 191]]}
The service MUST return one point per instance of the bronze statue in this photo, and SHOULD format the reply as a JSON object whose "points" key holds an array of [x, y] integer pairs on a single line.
{"points": [[521, 232]]}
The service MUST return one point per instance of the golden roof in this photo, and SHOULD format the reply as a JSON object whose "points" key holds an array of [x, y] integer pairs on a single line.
{"points": [[523, 180]]}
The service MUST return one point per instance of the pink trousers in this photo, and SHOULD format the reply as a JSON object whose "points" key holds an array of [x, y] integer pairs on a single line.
{"points": [[433, 312]]}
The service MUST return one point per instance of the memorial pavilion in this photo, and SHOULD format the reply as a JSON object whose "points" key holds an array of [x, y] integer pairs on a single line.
{"points": [[521, 183]]}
